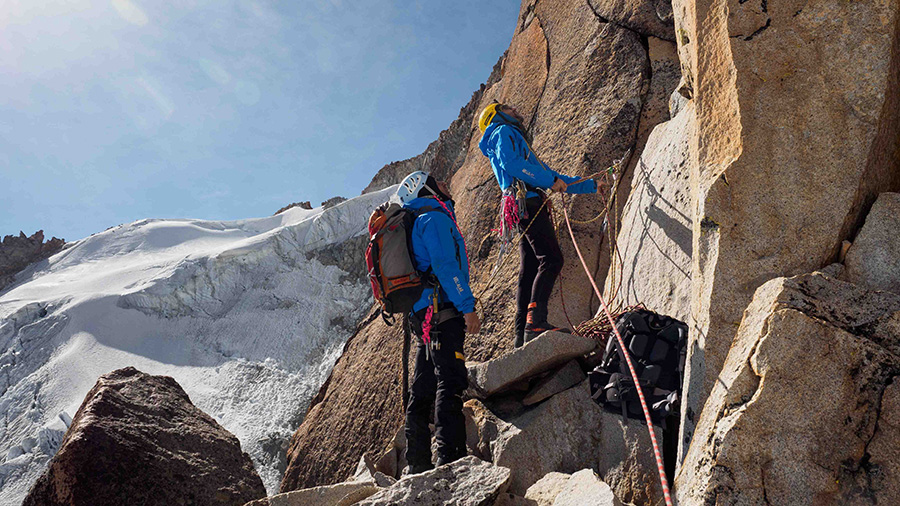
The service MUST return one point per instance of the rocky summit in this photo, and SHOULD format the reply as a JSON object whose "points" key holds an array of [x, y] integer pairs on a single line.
{"points": [[18, 252]]}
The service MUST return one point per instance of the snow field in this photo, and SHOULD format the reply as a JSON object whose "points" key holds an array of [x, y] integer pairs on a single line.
{"points": [[240, 313]]}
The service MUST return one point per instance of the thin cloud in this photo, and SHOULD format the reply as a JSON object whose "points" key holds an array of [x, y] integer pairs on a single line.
{"points": [[131, 12]]}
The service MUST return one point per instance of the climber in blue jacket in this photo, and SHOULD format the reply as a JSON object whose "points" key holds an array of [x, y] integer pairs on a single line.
{"points": [[541, 260], [440, 375]]}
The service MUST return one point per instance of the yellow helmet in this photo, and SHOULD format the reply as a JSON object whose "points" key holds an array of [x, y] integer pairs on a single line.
{"points": [[487, 115]]}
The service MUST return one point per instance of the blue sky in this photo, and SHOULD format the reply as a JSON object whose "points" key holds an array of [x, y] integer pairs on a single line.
{"points": [[117, 110]]}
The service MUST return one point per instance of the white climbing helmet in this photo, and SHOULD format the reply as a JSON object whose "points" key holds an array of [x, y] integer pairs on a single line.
{"points": [[411, 185]]}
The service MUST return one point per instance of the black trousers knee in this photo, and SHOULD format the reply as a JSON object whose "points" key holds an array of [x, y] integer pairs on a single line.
{"points": [[540, 262], [441, 381]]}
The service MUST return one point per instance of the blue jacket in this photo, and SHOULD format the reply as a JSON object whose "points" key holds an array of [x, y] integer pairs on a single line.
{"points": [[512, 158], [438, 245]]}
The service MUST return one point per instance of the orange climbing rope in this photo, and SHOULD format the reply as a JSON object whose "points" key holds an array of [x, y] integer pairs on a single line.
{"points": [[659, 462]]}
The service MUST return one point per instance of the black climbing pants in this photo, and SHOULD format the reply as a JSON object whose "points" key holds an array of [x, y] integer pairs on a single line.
{"points": [[439, 380], [540, 263]]}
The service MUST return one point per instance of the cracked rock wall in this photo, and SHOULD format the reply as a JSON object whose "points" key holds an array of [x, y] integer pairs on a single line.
{"points": [[795, 109], [806, 404]]}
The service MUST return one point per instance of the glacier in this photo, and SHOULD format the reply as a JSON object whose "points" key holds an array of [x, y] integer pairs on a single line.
{"points": [[248, 316]]}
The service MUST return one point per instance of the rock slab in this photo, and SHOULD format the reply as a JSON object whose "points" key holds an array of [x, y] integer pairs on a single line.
{"points": [[139, 436], [328, 495], [874, 258], [568, 376], [466, 482], [805, 411], [567, 433], [547, 351]]}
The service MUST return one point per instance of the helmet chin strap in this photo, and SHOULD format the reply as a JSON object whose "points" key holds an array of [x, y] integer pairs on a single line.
{"points": [[437, 194]]}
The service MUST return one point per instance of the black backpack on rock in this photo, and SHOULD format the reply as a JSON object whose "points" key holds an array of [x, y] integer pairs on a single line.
{"points": [[657, 345]]}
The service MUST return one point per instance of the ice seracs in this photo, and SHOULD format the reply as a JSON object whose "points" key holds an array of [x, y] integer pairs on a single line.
{"points": [[249, 316]]}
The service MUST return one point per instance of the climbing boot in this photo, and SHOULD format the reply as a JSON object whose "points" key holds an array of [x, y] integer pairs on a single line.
{"points": [[536, 323]]}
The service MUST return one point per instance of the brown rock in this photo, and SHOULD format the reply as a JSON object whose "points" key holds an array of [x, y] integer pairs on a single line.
{"points": [[18, 252], [139, 436], [805, 407], [653, 17]]}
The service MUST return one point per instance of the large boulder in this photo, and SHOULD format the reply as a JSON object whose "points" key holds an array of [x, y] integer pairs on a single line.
{"points": [[566, 433], [139, 436], [874, 258], [547, 351], [795, 112], [805, 409], [467, 482]]}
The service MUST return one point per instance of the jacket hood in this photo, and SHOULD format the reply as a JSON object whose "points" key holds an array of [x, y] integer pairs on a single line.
{"points": [[419, 203], [499, 120]]}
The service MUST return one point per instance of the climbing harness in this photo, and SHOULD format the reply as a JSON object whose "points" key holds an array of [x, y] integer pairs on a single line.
{"points": [[659, 463], [426, 324]]}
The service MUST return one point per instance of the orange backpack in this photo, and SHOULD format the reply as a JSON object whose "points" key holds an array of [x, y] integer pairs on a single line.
{"points": [[396, 284]]}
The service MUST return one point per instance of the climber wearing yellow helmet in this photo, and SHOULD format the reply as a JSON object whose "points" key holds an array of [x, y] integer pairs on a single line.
{"points": [[504, 142]]}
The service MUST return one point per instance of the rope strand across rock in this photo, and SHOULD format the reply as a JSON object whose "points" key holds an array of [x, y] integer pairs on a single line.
{"points": [[659, 462]]}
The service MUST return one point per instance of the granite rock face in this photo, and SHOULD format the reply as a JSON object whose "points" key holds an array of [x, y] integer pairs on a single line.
{"points": [[655, 242], [646, 17], [138, 435], [18, 252], [872, 260], [806, 404], [582, 84], [795, 109]]}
